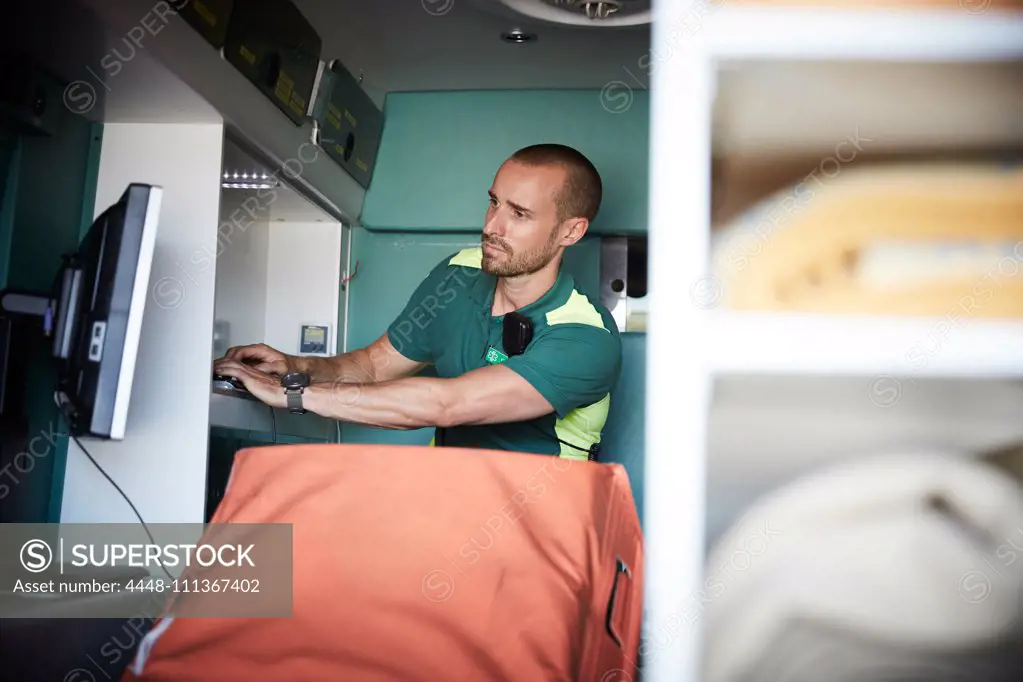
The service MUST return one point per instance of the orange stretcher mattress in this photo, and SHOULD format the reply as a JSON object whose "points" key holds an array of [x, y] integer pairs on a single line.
{"points": [[415, 563], [916, 239]]}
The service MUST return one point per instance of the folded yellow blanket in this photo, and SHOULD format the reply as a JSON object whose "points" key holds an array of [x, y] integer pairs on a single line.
{"points": [[926, 239]]}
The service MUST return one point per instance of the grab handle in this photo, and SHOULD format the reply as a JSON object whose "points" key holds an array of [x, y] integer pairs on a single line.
{"points": [[620, 569]]}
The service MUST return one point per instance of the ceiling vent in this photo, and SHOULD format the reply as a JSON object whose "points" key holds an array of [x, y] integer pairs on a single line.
{"points": [[597, 13]]}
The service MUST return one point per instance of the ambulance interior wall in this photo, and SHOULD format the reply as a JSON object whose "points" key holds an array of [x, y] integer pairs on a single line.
{"points": [[439, 152], [438, 157], [47, 192]]}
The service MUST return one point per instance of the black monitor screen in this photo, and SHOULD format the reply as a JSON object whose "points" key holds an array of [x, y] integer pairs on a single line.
{"points": [[107, 305]]}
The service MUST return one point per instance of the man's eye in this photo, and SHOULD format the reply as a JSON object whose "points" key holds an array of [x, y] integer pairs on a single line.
{"points": [[520, 214]]}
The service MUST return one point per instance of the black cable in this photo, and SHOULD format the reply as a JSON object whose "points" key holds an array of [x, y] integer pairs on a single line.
{"points": [[67, 421], [273, 425], [65, 407], [592, 452]]}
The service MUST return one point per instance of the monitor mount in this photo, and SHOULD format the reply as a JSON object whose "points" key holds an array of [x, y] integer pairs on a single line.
{"points": [[58, 313], [92, 318]]}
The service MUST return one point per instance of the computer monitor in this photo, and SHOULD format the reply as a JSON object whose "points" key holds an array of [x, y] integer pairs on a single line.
{"points": [[95, 316]]}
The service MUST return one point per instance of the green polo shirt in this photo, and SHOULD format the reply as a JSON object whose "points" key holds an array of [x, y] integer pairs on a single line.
{"points": [[573, 360]]}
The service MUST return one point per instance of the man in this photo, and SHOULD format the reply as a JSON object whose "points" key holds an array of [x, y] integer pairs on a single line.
{"points": [[551, 397]]}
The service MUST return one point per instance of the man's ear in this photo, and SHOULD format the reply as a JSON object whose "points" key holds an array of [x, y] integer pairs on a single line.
{"points": [[575, 229]]}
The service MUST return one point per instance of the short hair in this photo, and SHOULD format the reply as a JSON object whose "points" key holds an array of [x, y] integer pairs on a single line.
{"points": [[581, 194]]}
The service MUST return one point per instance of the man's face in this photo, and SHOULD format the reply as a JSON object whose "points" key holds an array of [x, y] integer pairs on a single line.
{"points": [[522, 233]]}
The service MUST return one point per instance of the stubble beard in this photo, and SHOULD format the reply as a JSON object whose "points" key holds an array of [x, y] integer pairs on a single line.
{"points": [[518, 265]]}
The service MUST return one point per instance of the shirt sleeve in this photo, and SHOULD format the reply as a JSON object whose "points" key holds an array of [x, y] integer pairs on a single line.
{"points": [[409, 332], [571, 365]]}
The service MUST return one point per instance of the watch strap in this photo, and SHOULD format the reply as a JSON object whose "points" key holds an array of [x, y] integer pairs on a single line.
{"points": [[295, 400]]}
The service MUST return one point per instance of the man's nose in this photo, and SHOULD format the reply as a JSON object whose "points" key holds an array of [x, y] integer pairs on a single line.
{"points": [[494, 226]]}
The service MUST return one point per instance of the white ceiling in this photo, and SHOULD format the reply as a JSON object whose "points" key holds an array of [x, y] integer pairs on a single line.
{"points": [[797, 108], [396, 45], [415, 45], [404, 45]]}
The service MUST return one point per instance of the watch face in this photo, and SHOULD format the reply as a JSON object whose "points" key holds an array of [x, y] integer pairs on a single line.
{"points": [[295, 380]]}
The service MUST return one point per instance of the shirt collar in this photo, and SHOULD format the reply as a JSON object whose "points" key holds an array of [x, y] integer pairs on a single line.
{"points": [[482, 292]]}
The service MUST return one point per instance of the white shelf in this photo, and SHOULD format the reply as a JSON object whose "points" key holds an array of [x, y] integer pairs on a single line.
{"points": [[820, 381], [918, 35], [771, 343], [764, 431]]}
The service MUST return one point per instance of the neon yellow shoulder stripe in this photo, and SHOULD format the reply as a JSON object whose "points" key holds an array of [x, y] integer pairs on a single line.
{"points": [[582, 427], [468, 258], [578, 310]]}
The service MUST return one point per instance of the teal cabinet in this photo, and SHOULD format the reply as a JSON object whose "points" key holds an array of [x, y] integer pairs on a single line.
{"points": [[10, 162], [440, 150], [46, 206]]}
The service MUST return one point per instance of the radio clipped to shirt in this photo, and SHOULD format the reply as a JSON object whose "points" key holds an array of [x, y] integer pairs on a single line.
{"points": [[516, 335]]}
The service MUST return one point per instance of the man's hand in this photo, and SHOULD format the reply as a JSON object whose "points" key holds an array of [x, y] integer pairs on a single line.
{"points": [[260, 357], [264, 387]]}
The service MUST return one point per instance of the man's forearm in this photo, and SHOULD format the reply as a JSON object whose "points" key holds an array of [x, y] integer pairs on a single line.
{"points": [[350, 368], [412, 403]]}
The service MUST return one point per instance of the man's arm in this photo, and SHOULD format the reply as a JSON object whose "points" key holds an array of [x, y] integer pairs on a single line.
{"points": [[380, 361], [377, 362], [547, 378], [488, 395], [571, 366]]}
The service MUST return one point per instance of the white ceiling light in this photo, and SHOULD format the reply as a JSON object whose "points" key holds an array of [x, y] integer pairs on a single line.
{"points": [[597, 13], [247, 180]]}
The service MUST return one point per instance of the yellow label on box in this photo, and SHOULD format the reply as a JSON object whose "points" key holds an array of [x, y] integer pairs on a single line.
{"points": [[333, 116], [283, 92], [204, 12], [283, 89], [246, 55], [361, 165], [351, 119]]}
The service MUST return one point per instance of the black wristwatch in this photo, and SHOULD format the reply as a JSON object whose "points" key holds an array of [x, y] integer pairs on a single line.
{"points": [[294, 384]]}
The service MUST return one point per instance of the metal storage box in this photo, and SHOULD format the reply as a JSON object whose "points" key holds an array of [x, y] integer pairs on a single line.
{"points": [[351, 124], [276, 48]]}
